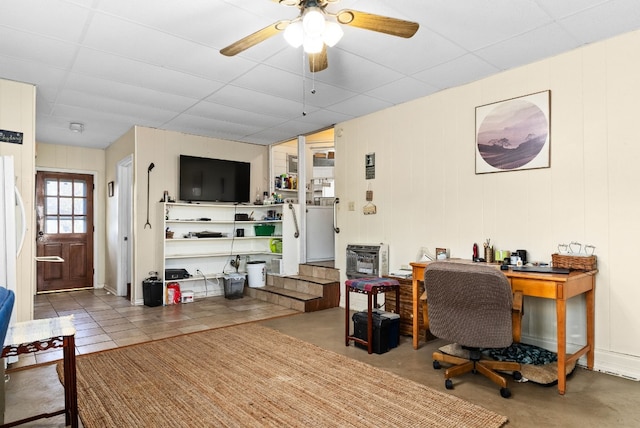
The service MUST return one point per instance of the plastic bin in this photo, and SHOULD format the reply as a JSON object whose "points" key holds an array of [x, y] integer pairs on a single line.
{"points": [[386, 330], [264, 229], [234, 285], [152, 291], [257, 273], [187, 296]]}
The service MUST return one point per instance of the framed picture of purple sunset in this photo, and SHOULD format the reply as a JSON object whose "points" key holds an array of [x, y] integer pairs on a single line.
{"points": [[513, 134]]}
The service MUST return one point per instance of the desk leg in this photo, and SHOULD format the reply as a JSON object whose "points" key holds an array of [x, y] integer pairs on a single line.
{"points": [[591, 327], [70, 387], [561, 318], [416, 327], [346, 315]]}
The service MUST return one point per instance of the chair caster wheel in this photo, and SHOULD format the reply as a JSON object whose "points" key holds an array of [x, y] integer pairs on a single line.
{"points": [[448, 384], [505, 393], [517, 375], [436, 365]]}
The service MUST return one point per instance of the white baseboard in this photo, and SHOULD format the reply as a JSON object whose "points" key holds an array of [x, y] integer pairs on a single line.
{"points": [[109, 289], [626, 366]]}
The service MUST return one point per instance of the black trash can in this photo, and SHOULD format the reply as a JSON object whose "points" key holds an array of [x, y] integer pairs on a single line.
{"points": [[152, 291], [234, 285]]}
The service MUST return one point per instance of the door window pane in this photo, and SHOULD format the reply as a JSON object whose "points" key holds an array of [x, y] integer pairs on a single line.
{"points": [[79, 188], [66, 188], [79, 224], [51, 205], [65, 206], [79, 206], [66, 225], [51, 187], [51, 225]]}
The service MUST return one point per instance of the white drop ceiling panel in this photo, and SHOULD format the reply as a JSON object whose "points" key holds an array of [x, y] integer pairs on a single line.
{"points": [[114, 64]]}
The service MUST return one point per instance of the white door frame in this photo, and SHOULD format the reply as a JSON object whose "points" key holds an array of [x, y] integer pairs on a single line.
{"points": [[124, 178]]}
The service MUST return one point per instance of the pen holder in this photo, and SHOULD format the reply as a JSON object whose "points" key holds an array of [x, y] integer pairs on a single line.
{"points": [[488, 254]]}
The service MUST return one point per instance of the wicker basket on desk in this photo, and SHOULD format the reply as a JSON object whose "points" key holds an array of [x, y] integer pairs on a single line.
{"points": [[574, 262]]}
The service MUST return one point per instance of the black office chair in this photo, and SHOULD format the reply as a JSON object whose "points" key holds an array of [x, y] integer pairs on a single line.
{"points": [[471, 305]]}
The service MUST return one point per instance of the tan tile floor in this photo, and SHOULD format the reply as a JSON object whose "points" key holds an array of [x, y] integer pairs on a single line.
{"points": [[104, 321]]}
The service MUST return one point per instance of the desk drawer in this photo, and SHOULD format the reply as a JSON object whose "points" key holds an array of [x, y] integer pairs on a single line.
{"points": [[535, 287]]}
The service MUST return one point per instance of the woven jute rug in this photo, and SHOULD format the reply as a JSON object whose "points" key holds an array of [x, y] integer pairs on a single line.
{"points": [[252, 376]]}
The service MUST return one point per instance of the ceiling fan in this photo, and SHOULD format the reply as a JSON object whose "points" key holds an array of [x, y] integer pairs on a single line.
{"points": [[315, 28]]}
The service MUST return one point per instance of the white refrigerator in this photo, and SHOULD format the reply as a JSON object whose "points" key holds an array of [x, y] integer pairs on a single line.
{"points": [[12, 226]]}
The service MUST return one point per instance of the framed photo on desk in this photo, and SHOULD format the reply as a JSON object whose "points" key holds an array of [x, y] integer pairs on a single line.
{"points": [[513, 134]]}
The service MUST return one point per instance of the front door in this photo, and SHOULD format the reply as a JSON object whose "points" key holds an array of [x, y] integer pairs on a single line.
{"points": [[64, 216]]}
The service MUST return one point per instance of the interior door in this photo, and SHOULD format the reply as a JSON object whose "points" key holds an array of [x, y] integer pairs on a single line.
{"points": [[320, 234], [64, 221]]}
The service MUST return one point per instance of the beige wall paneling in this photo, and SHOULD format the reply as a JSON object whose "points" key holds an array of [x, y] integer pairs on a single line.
{"points": [[17, 113], [163, 149], [54, 157], [588, 195], [116, 152]]}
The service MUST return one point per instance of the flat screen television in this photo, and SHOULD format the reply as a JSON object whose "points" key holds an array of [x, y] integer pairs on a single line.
{"points": [[214, 180]]}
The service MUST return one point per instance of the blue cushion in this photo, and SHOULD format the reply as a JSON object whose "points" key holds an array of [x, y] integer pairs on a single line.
{"points": [[7, 298]]}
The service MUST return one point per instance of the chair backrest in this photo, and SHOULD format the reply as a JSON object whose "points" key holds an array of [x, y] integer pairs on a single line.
{"points": [[469, 304], [7, 298]]}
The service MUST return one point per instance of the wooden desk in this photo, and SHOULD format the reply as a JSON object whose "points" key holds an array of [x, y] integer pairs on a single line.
{"points": [[547, 286]]}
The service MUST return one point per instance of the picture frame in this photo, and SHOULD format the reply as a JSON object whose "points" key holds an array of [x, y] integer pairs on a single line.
{"points": [[110, 189], [370, 166], [292, 164], [513, 134], [442, 253]]}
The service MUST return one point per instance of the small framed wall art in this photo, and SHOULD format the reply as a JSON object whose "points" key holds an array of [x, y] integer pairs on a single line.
{"points": [[513, 134], [292, 164]]}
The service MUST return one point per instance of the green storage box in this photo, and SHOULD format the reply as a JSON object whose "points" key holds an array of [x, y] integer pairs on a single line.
{"points": [[264, 229]]}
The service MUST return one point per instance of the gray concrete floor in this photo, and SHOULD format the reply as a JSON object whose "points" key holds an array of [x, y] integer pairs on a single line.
{"points": [[592, 399]]}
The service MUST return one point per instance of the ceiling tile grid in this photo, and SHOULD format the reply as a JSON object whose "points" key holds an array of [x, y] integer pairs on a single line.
{"points": [[114, 64]]}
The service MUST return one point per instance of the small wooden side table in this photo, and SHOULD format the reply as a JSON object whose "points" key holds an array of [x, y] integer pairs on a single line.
{"points": [[371, 287], [39, 335]]}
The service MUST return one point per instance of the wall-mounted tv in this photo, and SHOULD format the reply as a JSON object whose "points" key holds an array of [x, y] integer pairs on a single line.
{"points": [[214, 180]]}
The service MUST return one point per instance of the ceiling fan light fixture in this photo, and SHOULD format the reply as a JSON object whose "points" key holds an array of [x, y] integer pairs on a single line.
{"points": [[312, 45], [313, 21], [294, 34], [332, 34]]}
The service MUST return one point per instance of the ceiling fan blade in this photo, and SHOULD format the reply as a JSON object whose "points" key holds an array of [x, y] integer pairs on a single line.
{"points": [[255, 38], [379, 23], [318, 61]]}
